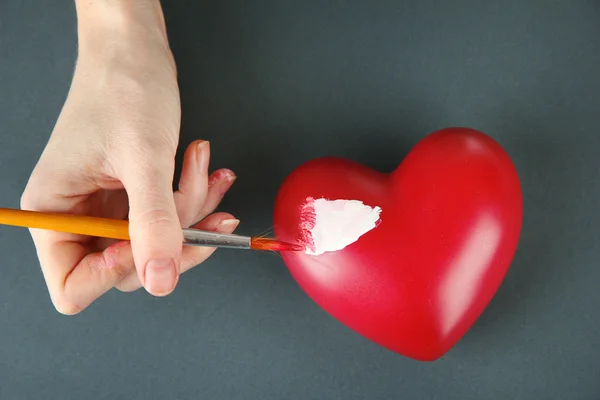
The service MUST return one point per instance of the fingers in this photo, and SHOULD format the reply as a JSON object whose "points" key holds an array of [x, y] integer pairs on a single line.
{"points": [[193, 183], [194, 200], [219, 184], [199, 195], [154, 225], [75, 276], [78, 271], [89, 275], [192, 255], [219, 222], [94, 275]]}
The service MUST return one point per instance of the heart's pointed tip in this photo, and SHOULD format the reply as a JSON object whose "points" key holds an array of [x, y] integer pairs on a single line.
{"points": [[425, 357]]}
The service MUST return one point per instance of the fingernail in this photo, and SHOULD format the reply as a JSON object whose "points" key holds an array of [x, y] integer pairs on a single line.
{"points": [[161, 276], [228, 223], [226, 183], [203, 157], [219, 176]]}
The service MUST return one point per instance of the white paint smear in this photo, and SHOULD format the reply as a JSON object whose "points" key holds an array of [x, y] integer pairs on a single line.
{"points": [[339, 223]]}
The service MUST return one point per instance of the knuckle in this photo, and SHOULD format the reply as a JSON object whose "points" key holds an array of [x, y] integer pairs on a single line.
{"points": [[36, 190], [26, 201], [29, 196], [156, 233], [108, 268], [154, 219], [120, 270]]}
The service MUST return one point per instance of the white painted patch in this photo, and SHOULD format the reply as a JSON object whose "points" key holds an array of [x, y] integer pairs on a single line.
{"points": [[339, 223]]}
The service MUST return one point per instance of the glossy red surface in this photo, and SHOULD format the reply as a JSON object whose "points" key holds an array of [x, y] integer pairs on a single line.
{"points": [[450, 224]]}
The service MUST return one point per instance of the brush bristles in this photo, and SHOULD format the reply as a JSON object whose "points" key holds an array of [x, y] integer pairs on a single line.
{"points": [[266, 244]]}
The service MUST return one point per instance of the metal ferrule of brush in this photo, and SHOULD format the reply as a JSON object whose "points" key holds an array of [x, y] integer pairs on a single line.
{"points": [[213, 239]]}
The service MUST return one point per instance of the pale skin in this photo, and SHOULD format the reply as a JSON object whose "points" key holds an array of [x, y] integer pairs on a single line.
{"points": [[112, 154]]}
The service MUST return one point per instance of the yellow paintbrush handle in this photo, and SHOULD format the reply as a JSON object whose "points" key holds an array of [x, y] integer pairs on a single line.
{"points": [[80, 225]]}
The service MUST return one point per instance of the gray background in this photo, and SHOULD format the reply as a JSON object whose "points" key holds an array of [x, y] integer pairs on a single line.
{"points": [[272, 84]]}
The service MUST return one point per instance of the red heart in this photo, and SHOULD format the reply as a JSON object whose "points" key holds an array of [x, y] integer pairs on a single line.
{"points": [[449, 227]]}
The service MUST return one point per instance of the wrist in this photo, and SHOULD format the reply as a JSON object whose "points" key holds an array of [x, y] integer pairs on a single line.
{"points": [[107, 25]]}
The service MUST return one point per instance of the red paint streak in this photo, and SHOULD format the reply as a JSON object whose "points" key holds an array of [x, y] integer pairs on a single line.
{"points": [[308, 219], [274, 245]]}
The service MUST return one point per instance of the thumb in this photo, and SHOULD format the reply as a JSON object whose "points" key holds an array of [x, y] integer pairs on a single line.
{"points": [[154, 227]]}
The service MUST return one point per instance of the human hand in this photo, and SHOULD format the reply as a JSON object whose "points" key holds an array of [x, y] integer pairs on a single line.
{"points": [[112, 154]]}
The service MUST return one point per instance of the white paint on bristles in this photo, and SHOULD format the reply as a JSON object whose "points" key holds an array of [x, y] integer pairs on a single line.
{"points": [[339, 223]]}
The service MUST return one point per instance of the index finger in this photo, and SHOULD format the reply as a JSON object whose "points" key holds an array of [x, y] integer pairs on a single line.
{"points": [[76, 276]]}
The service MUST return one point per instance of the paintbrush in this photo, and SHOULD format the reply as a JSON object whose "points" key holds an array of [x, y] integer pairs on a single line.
{"points": [[119, 230]]}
